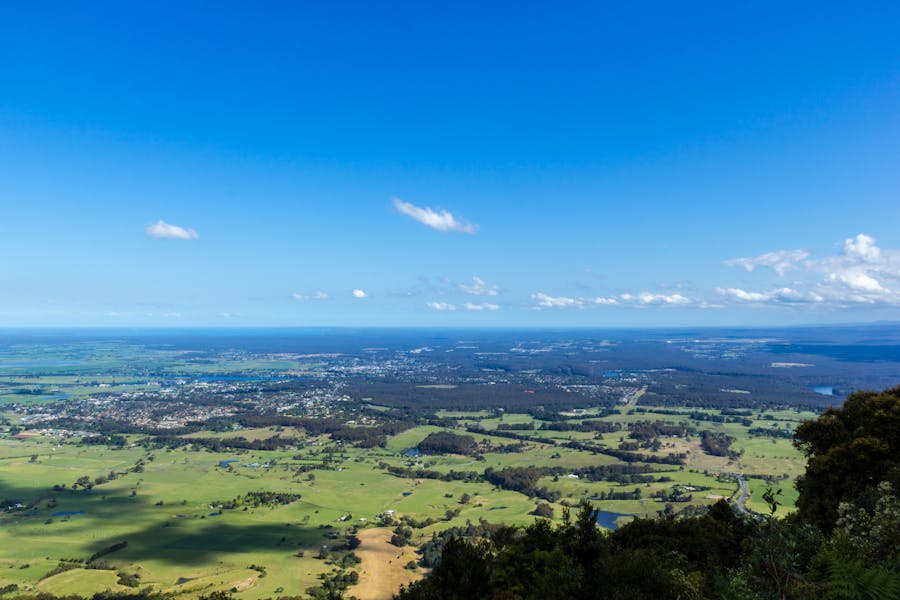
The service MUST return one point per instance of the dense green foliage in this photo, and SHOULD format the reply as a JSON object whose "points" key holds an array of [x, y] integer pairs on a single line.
{"points": [[664, 558], [843, 543], [716, 555], [445, 442], [850, 450]]}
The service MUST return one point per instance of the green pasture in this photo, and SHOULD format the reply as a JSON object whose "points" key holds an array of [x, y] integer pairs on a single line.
{"points": [[410, 438], [180, 541], [165, 513], [787, 498], [83, 582]]}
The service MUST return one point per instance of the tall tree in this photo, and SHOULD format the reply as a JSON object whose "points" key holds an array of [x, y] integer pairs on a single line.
{"points": [[850, 450]]}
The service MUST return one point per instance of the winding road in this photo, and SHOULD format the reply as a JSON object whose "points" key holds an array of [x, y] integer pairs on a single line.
{"points": [[741, 504], [745, 493]]}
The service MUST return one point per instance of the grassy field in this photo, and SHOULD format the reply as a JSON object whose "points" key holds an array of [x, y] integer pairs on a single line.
{"points": [[165, 502]]}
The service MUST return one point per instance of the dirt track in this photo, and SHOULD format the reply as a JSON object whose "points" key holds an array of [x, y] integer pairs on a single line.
{"points": [[381, 573]]}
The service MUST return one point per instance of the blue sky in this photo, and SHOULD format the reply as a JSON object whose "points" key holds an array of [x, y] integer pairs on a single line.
{"points": [[438, 163]]}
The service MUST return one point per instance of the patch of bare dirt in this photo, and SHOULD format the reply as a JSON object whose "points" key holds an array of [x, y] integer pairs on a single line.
{"points": [[382, 571]]}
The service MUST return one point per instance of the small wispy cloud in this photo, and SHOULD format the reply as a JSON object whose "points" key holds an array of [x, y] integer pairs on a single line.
{"points": [[546, 301], [783, 295], [625, 300], [479, 287], [163, 230], [442, 220], [317, 295], [443, 306], [358, 293], [481, 306], [648, 299], [781, 261], [605, 301]]}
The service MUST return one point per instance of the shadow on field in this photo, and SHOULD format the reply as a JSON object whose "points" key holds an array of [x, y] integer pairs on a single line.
{"points": [[203, 541], [16, 490], [170, 533], [100, 502]]}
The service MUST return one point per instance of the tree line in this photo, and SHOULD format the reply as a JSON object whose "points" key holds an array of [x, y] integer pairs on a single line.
{"points": [[841, 542]]}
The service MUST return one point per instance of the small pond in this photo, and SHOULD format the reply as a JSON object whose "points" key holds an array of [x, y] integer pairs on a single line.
{"points": [[607, 519]]}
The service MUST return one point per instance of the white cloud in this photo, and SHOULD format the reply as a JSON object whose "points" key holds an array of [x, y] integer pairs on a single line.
{"points": [[857, 280], [546, 301], [163, 230], [705, 304], [442, 220], [862, 273], [862, 246], [648, 299], [478, 287], [317, 295], [440, 306], [783, 295], [113, 314], [780, 262], [229, 315], [633, 300], [481, 306], [358, 293], [445, 286], [743, 295]]}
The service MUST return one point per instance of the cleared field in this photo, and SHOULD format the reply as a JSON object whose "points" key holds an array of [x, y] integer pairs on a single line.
{"points": [[788, 497], [81, 581], [170, 505], [382, 570], [409, 439]]}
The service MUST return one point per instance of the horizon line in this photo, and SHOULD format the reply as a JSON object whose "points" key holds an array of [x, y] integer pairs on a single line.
{"points": [[17, 328]]}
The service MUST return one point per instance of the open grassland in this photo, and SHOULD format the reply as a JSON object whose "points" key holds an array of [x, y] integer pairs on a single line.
{"points": [[787, 498], [167, 503], [82, 582]]}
